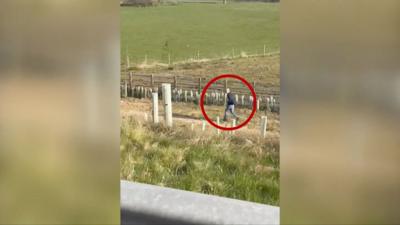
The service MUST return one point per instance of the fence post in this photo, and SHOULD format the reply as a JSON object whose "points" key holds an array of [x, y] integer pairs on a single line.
{"points": [[125, 89], [258, 104], [265, 52], [200, 84], [128, 63], [225, 96], [152, 80], [166, 89], [130, 81], [242, 100], [233, 125], [226, 84], [264, 121], [175, 82], [203, 127], [192, 126], [155, 107]]}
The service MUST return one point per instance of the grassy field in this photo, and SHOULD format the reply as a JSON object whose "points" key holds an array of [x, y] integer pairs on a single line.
{"points": [[241, 166], [225, 165], [213, 30]]}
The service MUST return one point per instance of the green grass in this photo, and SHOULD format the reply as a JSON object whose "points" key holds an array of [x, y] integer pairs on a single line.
{"points": [[185, 29], [229, 166]]}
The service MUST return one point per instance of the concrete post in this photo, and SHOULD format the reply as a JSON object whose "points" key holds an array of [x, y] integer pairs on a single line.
{"points": [[203, 127], [264, 121], [166, 90], [155, 107], [242, 100], [258, 104], [186, 96]]}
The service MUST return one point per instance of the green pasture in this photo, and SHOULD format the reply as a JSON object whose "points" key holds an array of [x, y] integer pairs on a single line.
{"points": [[187, 30]]}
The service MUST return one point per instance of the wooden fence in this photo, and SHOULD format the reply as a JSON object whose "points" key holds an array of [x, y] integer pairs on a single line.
{"points": [[187, 89]]}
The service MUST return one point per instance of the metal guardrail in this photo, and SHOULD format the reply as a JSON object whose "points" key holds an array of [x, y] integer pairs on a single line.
{"points": [[149, 204]]}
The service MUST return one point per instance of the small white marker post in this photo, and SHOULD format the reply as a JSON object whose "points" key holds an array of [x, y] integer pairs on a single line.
{"points": [[258, 104], [166, 90], [242, 100], [203, 127], [155, 107], [233, 125], [218, 130], [192, 126], [264, 122]]}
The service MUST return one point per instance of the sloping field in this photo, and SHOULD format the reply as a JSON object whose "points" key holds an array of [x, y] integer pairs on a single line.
{"points": [[264, 70], [191, 30]]}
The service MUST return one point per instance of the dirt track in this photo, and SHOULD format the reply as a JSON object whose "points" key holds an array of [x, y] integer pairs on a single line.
{"points": [[188, 114]]}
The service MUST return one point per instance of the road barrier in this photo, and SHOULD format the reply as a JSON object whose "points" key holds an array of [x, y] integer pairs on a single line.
{"points": [[149, 204]]}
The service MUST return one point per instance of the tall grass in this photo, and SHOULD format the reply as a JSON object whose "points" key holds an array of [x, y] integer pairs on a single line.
{"points": [[224, 165]]}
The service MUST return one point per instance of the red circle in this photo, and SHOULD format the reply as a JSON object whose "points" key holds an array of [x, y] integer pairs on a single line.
{"points": [[203, 93]]}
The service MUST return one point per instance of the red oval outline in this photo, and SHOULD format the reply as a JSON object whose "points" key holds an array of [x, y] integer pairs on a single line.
{"points": [[203, 93]]}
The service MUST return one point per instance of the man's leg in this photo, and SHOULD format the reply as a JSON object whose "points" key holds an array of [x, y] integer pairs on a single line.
{"points": [[225, 114], [232, 110]]}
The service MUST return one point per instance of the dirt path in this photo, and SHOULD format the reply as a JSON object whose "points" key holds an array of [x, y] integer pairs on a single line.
{"points": [[184, 115]]}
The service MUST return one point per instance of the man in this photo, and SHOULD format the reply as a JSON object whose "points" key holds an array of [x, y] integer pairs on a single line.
{"points": [[230, 105]]}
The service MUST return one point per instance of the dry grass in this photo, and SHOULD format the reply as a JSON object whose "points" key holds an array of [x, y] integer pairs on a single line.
{"points": [[227, 165], [265, 70]]}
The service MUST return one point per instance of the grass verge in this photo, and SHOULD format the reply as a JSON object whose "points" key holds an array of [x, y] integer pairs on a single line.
{"points": [[223, 165]]}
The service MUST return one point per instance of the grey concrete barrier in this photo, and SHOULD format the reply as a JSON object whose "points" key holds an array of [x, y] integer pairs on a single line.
{"points": [[149, 204]]}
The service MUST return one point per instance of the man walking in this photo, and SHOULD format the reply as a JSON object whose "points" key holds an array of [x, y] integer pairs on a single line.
{"points": [[230, 105]]}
